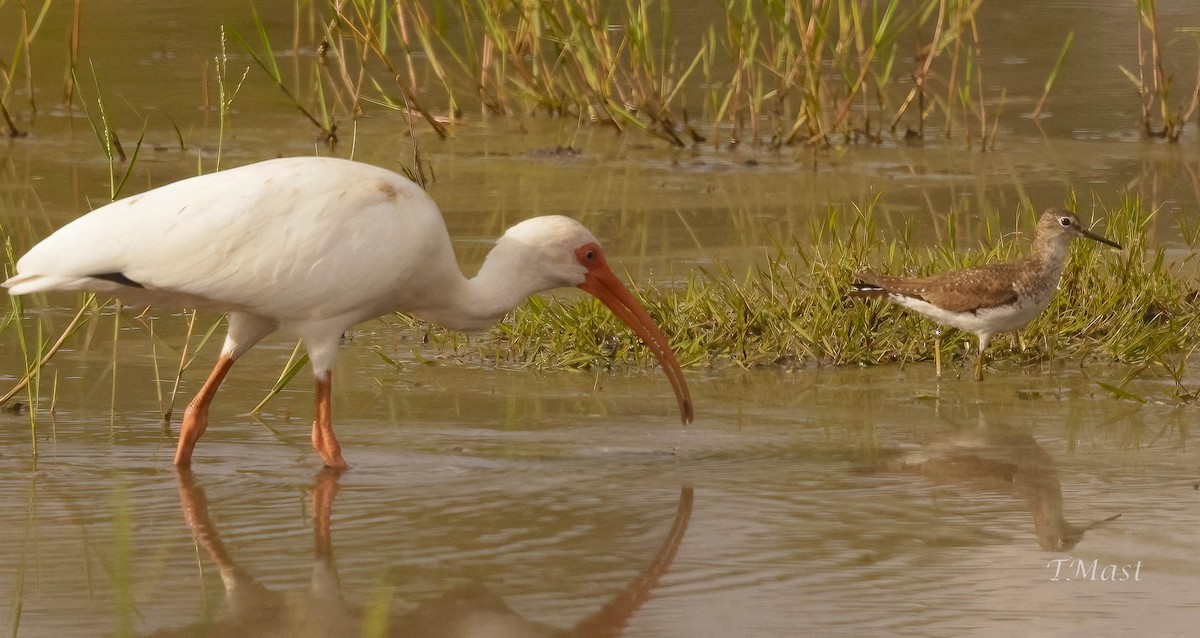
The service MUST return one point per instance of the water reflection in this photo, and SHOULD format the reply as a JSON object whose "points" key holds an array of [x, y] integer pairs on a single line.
{"points": [[1006, 459], [255, 610]]}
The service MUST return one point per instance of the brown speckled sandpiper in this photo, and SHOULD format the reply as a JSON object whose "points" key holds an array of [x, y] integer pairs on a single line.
{"points": [[992, 298]]}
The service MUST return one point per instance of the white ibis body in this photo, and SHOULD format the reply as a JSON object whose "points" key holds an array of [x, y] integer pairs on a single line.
{"points": [[312, 246]]}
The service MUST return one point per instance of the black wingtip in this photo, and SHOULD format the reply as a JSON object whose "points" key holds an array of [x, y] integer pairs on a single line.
{"points": [[118, 278]]}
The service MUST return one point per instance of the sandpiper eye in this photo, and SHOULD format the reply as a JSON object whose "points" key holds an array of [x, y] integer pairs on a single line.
{"points": [[1065, 221]]}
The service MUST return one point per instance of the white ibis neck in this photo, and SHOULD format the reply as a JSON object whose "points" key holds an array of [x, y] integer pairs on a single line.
{"points": [[478, 302]]}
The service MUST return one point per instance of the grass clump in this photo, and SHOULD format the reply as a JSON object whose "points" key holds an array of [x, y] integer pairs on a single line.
{"points": [[1154, 85], [1134, 306], [782, 72]]}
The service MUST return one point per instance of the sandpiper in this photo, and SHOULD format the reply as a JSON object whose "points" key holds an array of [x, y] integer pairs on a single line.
{"points": [[992, 298]]}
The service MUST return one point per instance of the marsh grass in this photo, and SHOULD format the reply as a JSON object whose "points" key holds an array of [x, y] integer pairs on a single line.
{"points": [[185, 356], [1132, 307], [1154, 85], [780, 73], [777, 73], [43, 354], [110, 142], [266, 60], [227, 91], [21, 58], [33, 354], [294, 365], [1054, 73], [185, 362]]}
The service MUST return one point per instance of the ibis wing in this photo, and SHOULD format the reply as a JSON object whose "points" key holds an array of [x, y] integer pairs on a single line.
{"points": [[293, 237]]}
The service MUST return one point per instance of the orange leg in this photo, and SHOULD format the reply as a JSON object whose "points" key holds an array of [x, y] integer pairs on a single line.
{"points": [[323, 440], [195, 418]]}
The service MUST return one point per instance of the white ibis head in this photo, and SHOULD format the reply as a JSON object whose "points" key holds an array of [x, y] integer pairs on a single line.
{"points": [[554, 252]]}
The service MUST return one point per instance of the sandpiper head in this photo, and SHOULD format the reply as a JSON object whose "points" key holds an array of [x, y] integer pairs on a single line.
{"points": [[1061, 225]]}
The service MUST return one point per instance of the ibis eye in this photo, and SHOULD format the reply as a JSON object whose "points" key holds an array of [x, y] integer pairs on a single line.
{"points": [[589, 255], [1065, 221]]}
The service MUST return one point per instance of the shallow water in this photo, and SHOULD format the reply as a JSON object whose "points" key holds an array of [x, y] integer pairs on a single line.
{"points": [[852, 501], [837, 500]]}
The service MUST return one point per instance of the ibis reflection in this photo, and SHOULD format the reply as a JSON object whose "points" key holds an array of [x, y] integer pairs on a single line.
{"points": [[254, 610]]}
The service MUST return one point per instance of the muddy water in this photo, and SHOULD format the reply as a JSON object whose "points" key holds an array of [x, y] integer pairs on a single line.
{"points": [[851, 501], [835, 500]]}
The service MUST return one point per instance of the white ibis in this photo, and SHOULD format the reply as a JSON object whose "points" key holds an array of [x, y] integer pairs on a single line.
{"points": [[312, 246]]}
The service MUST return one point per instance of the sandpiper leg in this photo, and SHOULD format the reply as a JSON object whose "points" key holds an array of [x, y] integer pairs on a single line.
{"points": [[984, 338], [937, 354]]}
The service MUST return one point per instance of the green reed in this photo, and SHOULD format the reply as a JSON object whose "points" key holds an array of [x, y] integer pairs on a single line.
{"points": [[295, 363], [21, 64], [266, 60], [17, 70], [1054, 73], [1153, 82], [778, 72], [110, 142], [227, 91]]}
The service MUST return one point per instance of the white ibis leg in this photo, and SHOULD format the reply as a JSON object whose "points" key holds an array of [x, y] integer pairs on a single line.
{"points": [[244, 331], [323, 439], [195, 417]]}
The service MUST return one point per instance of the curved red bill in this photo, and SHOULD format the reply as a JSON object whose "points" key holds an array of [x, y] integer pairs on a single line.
{"points": [[604, 285]]}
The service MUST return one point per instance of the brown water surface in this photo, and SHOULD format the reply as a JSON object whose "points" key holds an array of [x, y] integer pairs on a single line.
{"points": [[874, 501]]}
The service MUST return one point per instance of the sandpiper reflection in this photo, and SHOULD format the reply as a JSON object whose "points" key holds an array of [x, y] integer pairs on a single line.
{"points": [[254, 610], [1004, 459]]}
